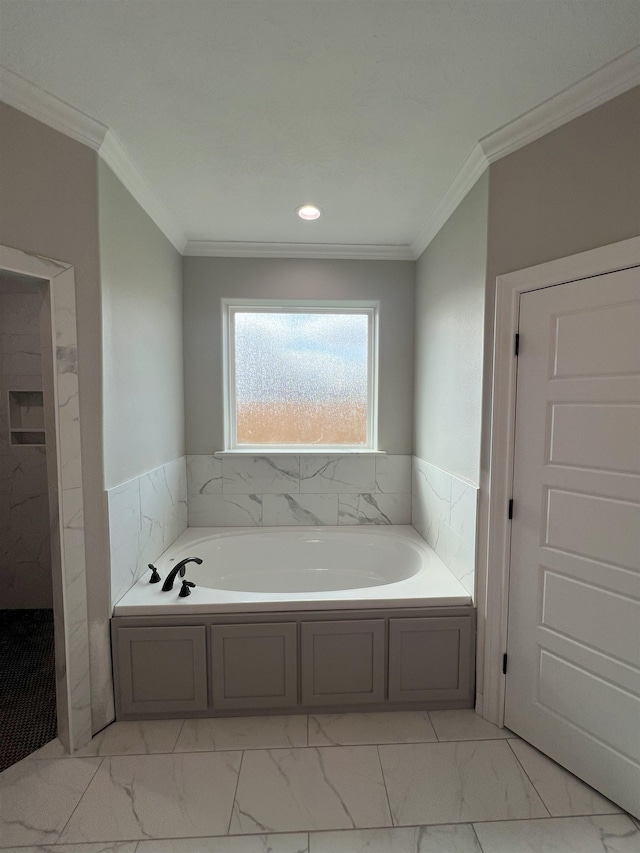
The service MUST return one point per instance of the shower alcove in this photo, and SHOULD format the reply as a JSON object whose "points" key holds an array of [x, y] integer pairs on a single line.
{"points": [[59, 421]]}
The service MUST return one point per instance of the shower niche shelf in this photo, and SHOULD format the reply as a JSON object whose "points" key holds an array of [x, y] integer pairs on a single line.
{"points": [[26, 418]]}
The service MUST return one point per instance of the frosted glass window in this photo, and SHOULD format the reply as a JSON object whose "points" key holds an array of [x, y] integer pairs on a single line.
{"points": [[301, 378]]}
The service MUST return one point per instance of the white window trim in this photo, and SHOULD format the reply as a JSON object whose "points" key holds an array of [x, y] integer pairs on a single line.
{"points": [[328, 306]]}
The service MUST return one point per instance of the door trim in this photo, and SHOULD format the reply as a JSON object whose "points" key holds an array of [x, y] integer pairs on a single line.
{"points": [[62, 431], [493, 567]]}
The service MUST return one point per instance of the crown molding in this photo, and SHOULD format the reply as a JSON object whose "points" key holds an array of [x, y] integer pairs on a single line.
{"points": [[52, 111], [115, 155], [595, 89], [471, 170], [344, 251], [607, 82], [35, 102]]}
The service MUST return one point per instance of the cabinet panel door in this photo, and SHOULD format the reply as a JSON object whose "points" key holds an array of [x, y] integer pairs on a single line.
{"points": [[342, 662], [162, 670], [254, 666], [430, 659]]}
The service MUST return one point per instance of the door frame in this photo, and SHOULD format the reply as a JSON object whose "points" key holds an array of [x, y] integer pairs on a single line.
{"points": [[62, 431], [494, 570]]}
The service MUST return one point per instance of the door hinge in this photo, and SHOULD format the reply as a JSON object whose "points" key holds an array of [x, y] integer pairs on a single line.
{"points": [[510, 509], [516, 348], [504, 663]]}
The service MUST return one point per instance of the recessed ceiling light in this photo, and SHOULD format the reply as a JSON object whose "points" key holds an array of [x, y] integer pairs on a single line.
{"points": [[308, 211]]}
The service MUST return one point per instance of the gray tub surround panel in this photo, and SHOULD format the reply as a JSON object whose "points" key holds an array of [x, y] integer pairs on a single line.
{"points": [[443, 511], [146, 654], [343, 662], [294, 662], [429, 659], [146, 515], [310, 489], [252, 663]]}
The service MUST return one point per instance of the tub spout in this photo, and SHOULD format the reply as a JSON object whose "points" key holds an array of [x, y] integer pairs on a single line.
{"points": [[178, 568]]}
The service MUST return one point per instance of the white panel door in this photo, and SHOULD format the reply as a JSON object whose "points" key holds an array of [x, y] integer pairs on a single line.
{"points": [[573, 678]]}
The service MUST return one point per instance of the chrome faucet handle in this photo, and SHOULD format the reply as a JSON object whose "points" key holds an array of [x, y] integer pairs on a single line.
{"points": [[185, 591], [155, 577]]}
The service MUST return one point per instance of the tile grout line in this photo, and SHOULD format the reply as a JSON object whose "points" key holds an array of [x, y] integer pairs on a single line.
{"points": [[329, 745], [235, 794], [180, 730], [546, 817], [362, 828], [384, 782], [520, 764], [435, 731], [340, 830], [93, 776], [477, 837]]}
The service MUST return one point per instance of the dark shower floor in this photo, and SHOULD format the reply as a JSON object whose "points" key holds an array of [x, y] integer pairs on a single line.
{"points": [[27, 683]]}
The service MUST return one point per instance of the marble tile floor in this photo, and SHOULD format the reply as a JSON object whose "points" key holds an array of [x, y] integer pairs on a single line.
{"points": [[398, 782]]}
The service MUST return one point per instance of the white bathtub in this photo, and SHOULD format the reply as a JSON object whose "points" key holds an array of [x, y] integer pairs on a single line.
{"points": [[298, 568]]}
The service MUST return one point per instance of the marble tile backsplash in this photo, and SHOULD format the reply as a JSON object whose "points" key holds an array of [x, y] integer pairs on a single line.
{"points": [[145, 516], [444, 513], [277, 490]]}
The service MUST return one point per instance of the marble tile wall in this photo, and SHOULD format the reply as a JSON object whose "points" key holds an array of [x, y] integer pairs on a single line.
{"points": [[443, 512], [146, 515], [308, 489], [25, 548]]}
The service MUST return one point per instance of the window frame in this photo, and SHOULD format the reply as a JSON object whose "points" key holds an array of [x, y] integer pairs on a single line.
{"points": [[230, 307]]}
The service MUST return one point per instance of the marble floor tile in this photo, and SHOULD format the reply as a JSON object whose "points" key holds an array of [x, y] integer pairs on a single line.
{"points": [[457, 782], [38, 797], [597, 834], [382, 727], [156, 796], [53, 749], [296, 789], [465, 725], [100, 847], [415, 839], [560, 791], [127, 738], [243, 733], [295, 842]]}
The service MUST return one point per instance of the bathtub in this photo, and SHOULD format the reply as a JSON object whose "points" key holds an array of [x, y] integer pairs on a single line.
{"points": [[298, 568]]}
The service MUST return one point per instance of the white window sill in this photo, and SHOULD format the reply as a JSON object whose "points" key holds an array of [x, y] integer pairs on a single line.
{"points": [[258, 451]]}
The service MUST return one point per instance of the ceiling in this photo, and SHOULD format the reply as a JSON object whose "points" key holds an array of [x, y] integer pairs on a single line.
{"points": [[237, 112]]}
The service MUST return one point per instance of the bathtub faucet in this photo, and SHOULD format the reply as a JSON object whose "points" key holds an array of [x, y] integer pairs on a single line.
{"points": [[178, 568]]}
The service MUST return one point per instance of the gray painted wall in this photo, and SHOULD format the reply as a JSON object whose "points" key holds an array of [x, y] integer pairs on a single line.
{"points": [[141, 276], [48, 186], [207, 280], [450, 293], [572, 190]]}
